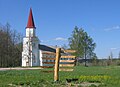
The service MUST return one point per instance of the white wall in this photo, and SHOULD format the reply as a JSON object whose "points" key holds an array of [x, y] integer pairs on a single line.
{"points": [[40, 56], [34, 61], [35, 51], [30, 32]]}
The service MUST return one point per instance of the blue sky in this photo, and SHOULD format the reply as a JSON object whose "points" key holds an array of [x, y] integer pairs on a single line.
{"points": [[56, 19]]}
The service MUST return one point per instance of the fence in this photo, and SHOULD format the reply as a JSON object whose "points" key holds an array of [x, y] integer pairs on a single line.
{"points": [[59, 62]]}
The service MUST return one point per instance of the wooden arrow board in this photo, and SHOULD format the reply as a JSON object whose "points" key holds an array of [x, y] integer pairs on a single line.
{"points": [[68, 61], [69, 51], [67, 65], [48, 58], [49, 53], [68, 56]]}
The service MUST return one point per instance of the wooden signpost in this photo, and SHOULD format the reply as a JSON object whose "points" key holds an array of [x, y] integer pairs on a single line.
{"points": [[56, 68], [69, 51], [61, 63]]}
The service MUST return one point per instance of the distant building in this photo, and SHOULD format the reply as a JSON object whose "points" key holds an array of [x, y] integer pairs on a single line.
{"points": [[33, 51]]}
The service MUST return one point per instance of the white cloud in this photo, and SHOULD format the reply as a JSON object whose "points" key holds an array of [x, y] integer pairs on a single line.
{"points": [[60, 39], [114, 48], [113, 28]]}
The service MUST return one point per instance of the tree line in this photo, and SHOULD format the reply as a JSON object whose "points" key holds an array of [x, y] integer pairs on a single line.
{"points": [[10, 46], [85, 46]]}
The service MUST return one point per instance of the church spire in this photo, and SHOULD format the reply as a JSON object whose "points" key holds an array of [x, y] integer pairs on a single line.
{"points": [[30, 23]]}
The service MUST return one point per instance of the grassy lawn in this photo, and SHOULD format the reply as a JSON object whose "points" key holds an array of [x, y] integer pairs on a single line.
{"points": [[108, 76]]}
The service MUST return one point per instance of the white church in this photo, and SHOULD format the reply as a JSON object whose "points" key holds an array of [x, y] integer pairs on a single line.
{"points": [[33, 51]]}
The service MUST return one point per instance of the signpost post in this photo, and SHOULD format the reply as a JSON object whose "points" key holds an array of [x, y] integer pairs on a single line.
{"points": [[56, 69]]}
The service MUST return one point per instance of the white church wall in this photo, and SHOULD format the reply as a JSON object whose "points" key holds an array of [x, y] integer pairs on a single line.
{"points": [[40, 57], [30, 32], [35, 52], [25, 52], [35, 58], [23, 60]]}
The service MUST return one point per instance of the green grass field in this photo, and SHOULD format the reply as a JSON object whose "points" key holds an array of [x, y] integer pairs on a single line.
{"points": [[108, 76]]}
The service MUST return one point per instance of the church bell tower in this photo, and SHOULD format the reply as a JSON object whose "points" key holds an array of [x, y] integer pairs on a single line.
{"points": [[30, 54]]}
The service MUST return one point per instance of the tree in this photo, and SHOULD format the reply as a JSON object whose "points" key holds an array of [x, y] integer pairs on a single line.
{"points": [[82, 43], [10, 48], [94, 59], [64, 46]]}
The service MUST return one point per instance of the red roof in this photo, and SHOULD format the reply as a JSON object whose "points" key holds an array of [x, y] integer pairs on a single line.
{"points": [[30, 23]]}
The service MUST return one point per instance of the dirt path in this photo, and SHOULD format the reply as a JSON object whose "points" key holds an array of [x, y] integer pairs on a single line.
{"points": [[4, 69]]}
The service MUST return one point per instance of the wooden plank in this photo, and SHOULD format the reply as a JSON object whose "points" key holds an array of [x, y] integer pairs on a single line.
{"points": [[48, 58], [48, 62], [64, 69], [49, 53], [68, 56], [69, 51], [67, 65], [46, 66], [69, 61]]}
